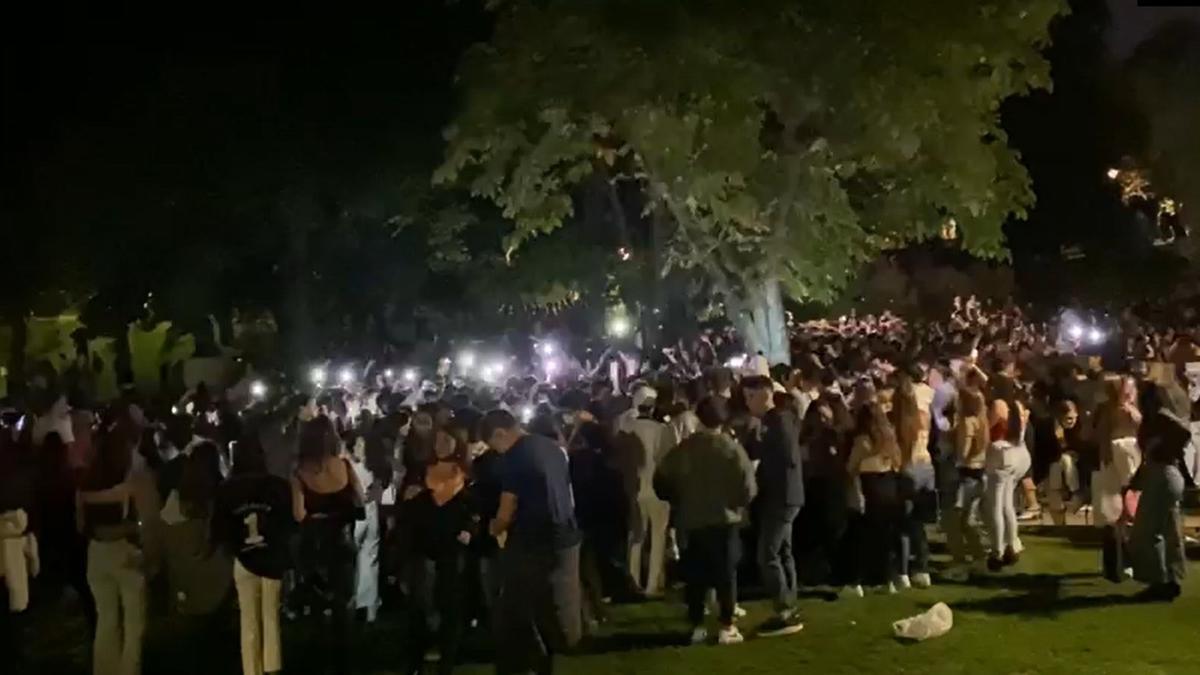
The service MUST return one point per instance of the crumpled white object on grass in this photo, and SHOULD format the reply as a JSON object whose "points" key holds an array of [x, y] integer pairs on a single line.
{"points": [[935, 622]]}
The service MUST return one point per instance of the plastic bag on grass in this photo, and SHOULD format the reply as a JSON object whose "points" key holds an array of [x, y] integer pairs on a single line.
{"points": [[935, 622]]}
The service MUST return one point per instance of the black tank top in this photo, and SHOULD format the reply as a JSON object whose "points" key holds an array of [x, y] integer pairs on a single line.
{"points": [[340, 508]]}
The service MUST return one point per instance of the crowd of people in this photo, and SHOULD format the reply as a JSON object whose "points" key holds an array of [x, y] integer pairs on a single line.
{"points": [[523, 509]]}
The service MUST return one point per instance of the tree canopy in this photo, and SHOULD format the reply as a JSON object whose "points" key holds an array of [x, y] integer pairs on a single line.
{"points": [[781, 142]]}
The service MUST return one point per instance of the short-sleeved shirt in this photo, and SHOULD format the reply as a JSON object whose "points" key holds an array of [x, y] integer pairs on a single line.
{"points": [[253, 518], [536, 470]]}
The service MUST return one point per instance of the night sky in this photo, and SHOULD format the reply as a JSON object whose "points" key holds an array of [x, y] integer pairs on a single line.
{"points": [[1131, 24]]}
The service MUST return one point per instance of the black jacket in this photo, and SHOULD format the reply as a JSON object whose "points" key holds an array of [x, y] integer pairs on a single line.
{"points": [[776, 446]]}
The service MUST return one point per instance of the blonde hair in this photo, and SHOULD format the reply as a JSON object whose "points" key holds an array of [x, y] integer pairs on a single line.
{"points": [[906, 412]]}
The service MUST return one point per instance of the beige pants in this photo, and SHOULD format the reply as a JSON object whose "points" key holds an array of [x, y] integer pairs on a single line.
{"points": [[18, 558], [115, 575], [651, 516], [258, 600]]}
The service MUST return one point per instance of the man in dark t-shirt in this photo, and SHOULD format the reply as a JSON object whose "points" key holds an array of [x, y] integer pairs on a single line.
{"points": [[539, 605]]}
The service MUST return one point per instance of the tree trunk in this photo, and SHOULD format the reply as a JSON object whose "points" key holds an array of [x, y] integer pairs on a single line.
{"points": [[760, 319]]}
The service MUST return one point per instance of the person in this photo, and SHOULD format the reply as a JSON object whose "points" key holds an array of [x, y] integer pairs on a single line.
{"points": [[773, 440], [444, 521], [912, 410], [199, 574], [874, 463], [710, 482], [1116, 433], [1006, 462], [63, 551], [105, 514], [366, 532], [328, 501], [253, 519], [971, 442], [1060, 443], [823, 520], [644, 441], [538, 612], [1156, 543]]}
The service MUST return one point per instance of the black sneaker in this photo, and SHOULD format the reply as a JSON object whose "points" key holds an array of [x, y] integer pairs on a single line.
{"points": [[780, 626]]}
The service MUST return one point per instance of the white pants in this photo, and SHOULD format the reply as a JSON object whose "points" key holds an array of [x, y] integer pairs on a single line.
{"points": [[118, 583], [1108, 482], [999, 508], [1062, 484], [650, 517], [366, 583], [258, 603], [18, 558]]}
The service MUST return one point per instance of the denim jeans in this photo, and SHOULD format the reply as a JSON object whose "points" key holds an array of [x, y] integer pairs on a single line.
{"points": [[962, 534], [1006, 467], [917, 483], [775, 559]]}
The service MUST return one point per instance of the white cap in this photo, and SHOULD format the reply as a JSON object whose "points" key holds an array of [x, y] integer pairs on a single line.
{"points": [[643, 395]]}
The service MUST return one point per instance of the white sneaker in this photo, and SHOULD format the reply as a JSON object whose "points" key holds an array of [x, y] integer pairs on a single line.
{"points": [[903, 582], [922, 580], [887, 589], [730, 636], [1127, 572], [700, 635], [739, 612], [855, 591]]}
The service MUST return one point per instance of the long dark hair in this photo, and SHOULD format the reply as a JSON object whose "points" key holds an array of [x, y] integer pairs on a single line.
{"points": [[318, 441], [112, 463], [248, 455], [199, 479]]}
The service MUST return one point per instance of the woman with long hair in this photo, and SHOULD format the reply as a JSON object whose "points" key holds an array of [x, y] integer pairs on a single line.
{"points": [[199, 574], [1117, 423], [62, 549], [328, 501], [912, 410], [1007, 461], [875, 459], [971, 441], [105, 514], [444, 521]]}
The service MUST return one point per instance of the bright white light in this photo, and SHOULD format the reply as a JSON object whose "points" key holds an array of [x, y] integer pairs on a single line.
{"points": [[346, 376], [624, 253], [1113, 173], [737, 361], [551, 367], [466, 359], [410, 375], [489, 374], [389, 373], [317, 375], [547, 348], [1095, 336], [1075, 331], [258, 389], [174, 410], [527, 414], [618, 327]]}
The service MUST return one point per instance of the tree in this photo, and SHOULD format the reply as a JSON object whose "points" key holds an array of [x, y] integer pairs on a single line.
{"points": [[1163, 70], [776, 146]]}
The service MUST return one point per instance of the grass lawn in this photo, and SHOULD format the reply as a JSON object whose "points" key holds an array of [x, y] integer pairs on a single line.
{"points": [[1050, 614]]}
